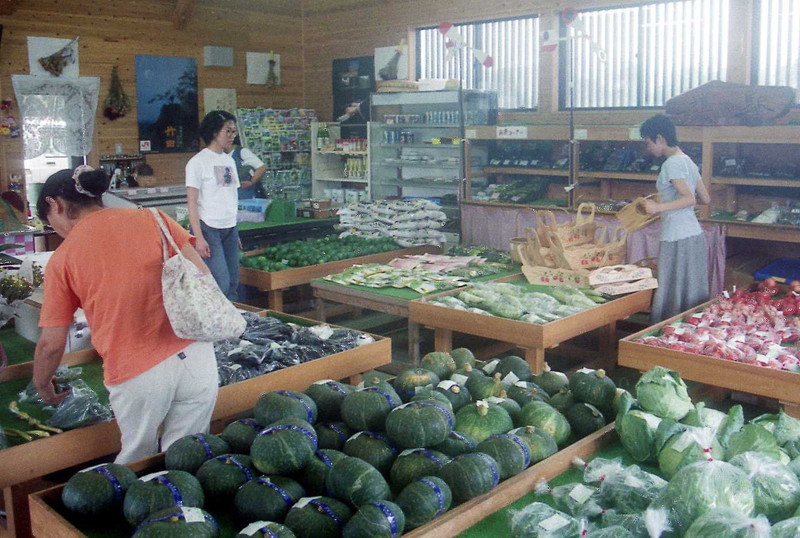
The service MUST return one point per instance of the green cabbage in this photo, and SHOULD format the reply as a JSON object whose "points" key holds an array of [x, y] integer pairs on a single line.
{"points": [[751, 438], [731, 425], [631, 490], [728, 523], [576, 499], [789, 528], [687, 447], [615, 531], [633, 523], [703, 487], [663, 393], [787, 429], [794, 466], [543, 521], [703, 417], [776, 487], [637, 432]]}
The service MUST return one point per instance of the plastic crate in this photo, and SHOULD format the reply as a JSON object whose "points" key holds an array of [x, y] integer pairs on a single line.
{"points": [[255, 205], [783, 270]]}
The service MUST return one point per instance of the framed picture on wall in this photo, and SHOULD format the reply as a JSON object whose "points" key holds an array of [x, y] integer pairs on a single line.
{"points": [[166, 104], [353, 81]]}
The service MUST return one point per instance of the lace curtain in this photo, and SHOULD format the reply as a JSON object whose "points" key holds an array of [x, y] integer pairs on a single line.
{"points": [[57, 113]]}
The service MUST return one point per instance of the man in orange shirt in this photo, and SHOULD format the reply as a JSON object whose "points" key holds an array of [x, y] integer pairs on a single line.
{"points": [[110, 265]]}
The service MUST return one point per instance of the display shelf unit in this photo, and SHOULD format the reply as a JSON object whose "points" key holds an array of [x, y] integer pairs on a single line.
{"points": [[23, 465], [410, 128], [341, 175]]}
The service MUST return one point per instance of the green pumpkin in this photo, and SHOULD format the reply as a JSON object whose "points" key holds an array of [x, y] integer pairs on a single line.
{"points": [[470, 475], [462, 356], [408, 382], [262, 529], [284, 448], [222, 476], [593, 387], [423, 500], [541, 444], [511, 452], [240, 434], [97, 490], [415, 463], [543, 416], [318, 517], [513, 369], [485, 387], [367, 408], [457, 443], [419, 424], [512, 407], [312, 477], [377, 519], [178, 522], [584, 419], [440, 363], [563, 400], [432, 395], [332, 434], [523, 392], [550, 380], [457, 395], [280, 405], [266, 498], [372, 447], [328, 396], [482, 419], [375, 381], [190, 452], [355, 481], [159, 491], [462, 375]]}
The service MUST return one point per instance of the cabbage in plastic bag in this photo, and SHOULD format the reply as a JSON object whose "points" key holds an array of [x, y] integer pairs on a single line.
{"points": [[80, 408], [633, 523], [63, 377], [631, 491], [728, 523], [787, 429], [663, 393], [702, 487], [794, 466], [704, 417], [776, 487], [637, 432], [687, 447], [751, 438], [576, 499], [788, 528], [615, 531], [596, 470], [539, 520]]}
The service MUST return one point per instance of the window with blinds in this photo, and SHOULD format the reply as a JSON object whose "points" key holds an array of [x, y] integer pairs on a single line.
{"points": [[641, 56], [777, 43], [512, 43]]}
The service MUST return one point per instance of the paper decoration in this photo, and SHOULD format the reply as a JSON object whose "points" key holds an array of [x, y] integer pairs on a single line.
{"points": [[45, 47], [218, 56], [391, 63], [454, 41], [258, 67], [549, 39], [219, 99]]}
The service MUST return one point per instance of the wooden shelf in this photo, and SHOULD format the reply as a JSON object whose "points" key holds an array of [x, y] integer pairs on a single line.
{"points": [[513, 205], [419, 146], [627, 176], [526, 171], [343, 179], [535, 132], [756, 181], [756, 230], [344, 153]]}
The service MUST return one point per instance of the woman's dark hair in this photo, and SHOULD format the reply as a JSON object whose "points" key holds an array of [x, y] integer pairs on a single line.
{"points": [[213, 123], [61, 185], [659, 125]]}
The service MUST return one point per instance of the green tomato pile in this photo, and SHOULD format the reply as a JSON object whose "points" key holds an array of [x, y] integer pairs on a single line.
{"points": [[316, 251]]}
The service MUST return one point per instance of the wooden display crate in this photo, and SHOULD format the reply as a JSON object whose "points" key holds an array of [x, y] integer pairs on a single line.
{"points": [[747, 378], [29, 461], [49, 522], [533, 338], [274, 282]]}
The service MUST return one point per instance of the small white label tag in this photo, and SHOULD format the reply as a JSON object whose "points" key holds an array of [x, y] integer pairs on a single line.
{"points": [[511, 131], [459, 378], [470, 133], [92, 467], [510, 378], [304, 501], [447, 384], [581, 134], [322, 381], [494, 400], [585, 371], [151, 476], [634, 134], [554, 522], [407, 452], [521, 384], [580, 493], [355, 436], [253, 528], [192, 514], [633, 482], [491, 366]]}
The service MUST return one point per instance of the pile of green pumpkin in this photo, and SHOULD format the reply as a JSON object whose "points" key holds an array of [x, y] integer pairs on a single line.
{"points": [[369, 461]]}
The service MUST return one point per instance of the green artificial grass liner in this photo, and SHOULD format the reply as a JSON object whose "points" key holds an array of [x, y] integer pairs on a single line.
{"points": [[244, 226], [18, 349], [92, 374]]}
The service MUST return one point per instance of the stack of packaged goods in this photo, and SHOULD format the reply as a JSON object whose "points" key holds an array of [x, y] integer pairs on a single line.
{"points": [[408, 222]]}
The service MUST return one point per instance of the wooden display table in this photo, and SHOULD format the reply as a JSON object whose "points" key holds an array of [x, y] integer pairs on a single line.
{"points": [[391, 301], [532, 338], [274, 282], [26, 462], [48, 517], [780, 385]]}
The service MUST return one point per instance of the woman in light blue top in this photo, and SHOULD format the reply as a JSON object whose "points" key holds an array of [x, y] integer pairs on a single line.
{"points": [[682, 256]]}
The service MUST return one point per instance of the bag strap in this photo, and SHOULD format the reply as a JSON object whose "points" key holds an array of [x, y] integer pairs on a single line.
{"points": [[166, 237]]}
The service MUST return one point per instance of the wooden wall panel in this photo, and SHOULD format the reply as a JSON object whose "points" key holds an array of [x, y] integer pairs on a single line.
{"points": [[113, 32]]}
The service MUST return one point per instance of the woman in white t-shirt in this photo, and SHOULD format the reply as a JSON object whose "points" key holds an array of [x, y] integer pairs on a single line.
{"points": [[682, 254], [251, 169], [211, 185]]}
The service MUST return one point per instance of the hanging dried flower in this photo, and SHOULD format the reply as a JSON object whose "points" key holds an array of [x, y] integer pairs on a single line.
{"points": [[117, 102]]}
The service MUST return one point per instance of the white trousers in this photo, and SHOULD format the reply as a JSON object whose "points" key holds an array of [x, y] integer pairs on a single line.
{"points": [[178, 395]]}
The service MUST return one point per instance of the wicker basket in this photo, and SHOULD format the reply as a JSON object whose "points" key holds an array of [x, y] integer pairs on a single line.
{"points": [[579, 231], [533, 253], [633, 216], [517, 241]]}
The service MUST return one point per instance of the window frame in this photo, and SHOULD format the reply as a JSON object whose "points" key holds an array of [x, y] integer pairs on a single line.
{"points": [[755, 50]]}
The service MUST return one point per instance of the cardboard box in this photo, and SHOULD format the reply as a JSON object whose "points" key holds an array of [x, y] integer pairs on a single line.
{"points": [[618, 288], [619, 273], [321, 204], [550, 276]]}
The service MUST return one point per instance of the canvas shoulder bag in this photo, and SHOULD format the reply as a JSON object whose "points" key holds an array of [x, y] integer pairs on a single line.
{"points": [[196, 307]]}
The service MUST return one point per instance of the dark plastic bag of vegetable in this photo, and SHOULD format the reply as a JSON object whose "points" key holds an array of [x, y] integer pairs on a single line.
{"points": [[265, 329], [81, 408], [63, 376], [286, 355]]}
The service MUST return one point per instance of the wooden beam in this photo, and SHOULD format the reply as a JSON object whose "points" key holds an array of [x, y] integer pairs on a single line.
{"points": [[7, 7], [183, 10]]}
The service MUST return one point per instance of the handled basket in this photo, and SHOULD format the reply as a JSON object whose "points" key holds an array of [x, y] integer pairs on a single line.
{"points": [[579, 231], [633, 216]]}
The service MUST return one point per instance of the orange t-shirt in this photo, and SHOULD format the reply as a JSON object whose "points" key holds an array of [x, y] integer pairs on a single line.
{"points": [[110, 265]]}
